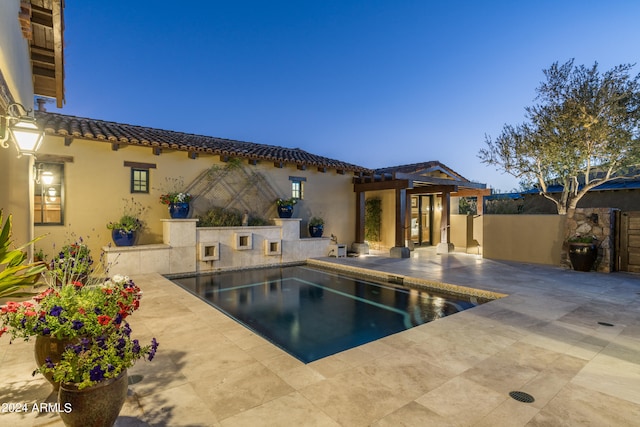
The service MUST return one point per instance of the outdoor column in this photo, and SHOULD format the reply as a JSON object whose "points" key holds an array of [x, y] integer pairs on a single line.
{"points": [[359, 246], [400, 250], [445, 229]]}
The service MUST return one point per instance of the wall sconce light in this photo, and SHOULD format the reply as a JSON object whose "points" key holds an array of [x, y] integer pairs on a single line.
{"points": [[51, 192], [41, 175], [22, 128]]}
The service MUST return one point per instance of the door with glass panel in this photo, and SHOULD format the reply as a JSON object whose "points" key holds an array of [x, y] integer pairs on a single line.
{"points": [[421, 208]]}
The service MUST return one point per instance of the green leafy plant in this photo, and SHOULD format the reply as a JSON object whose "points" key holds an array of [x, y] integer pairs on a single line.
{"points": [[316, 221], [73, 263], [286, 202], [582, 239], [97, 358], [372, 219], [17, 276], [222, 217], [130, 220]]}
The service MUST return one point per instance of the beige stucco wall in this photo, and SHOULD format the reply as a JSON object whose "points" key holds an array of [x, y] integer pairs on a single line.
{"points": [[533, 239], [96, 181], [15, 66]]}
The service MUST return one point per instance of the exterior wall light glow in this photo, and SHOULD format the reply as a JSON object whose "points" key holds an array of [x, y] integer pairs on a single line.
{"points": [[22, 128]]}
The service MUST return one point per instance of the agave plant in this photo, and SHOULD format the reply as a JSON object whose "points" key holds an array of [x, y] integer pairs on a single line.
{"points": [[17, 276]]}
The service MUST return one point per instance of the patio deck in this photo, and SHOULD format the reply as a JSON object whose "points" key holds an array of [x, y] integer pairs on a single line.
{"points": [[543, 339]]}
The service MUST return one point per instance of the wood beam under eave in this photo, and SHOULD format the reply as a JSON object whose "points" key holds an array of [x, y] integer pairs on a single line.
{"points": [[301, 167], [340, 171], [382, 185], [252, 162], [431, 189], [192, 155], [278, 165], [156, 151], [68, 140], [115, 146], [322, 169], [224, 158]]}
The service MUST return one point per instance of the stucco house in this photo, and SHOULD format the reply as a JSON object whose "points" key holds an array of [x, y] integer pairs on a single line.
{"points": [[96, 166]]}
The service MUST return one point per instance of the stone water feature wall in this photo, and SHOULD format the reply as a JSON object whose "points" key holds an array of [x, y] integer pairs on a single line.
{"points": [[598, 222]]}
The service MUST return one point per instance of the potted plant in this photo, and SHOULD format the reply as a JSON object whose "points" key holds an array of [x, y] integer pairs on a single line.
{"points": [[93, 375], [583, 252], [124, 232], [178, 204], [316, 226], [176, 199], [65, 314], [285, 207], [16, 276], [72, 264]]}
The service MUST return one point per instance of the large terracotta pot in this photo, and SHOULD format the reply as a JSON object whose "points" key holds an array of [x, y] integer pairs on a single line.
{"points": [[96, 406], [52, 348]]}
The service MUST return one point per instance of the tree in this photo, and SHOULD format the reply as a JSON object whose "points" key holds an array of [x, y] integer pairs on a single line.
{"points": [[583, 132]]}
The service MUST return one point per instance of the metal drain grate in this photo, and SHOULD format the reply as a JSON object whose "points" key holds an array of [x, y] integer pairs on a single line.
{"points": [[605, 324], [521, 396]]}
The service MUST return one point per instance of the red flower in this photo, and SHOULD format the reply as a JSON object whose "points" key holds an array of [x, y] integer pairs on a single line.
{"points": [[81, 310], [44, 294], [29, 313], [11, 307], [78, 284], [3, 330], [104, 320]]}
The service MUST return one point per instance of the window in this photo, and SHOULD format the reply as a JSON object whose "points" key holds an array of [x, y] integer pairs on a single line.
{"points": [[49, 194], [139, 180], [139, 176], [297, 187]]}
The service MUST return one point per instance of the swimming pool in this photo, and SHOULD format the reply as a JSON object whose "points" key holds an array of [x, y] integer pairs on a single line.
{"points": [[311, 313]]}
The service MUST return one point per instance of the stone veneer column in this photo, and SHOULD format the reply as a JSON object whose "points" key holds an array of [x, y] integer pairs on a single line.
{"points": [[598, 222], [181, 235]]}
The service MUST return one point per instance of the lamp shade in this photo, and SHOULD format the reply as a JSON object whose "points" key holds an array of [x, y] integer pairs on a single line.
{"points": [[26, 135]]}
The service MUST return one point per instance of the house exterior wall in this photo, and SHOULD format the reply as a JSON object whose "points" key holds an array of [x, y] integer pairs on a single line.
{"points": [[15, 86], [96, 182], [536, 239]]}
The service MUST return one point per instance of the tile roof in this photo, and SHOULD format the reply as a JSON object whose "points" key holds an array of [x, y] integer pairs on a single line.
{"points": [[422, 168], [120, 133]]}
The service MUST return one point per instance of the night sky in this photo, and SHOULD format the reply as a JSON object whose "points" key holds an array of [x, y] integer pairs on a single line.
{"points": [[370, 82]]}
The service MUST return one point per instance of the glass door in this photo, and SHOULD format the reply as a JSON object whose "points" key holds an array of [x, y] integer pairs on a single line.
{"points": [[421, 220]]}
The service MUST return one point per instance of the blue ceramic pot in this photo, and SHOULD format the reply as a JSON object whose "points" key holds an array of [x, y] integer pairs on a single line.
{"points": [[179, 210], [285, 211], [123, 238], [316, 230]]}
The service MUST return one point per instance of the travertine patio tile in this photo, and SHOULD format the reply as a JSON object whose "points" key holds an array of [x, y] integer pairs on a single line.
{"points": [[579, 406], [230, 392], [290, 410], [353, 399], [405, 374], [462, 400], [177, 406], [413, 414], [613, 376], [510, 413]]}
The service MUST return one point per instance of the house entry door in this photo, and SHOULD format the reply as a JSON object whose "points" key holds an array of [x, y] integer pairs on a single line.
{"points": [[421, 219], [629, 249]]}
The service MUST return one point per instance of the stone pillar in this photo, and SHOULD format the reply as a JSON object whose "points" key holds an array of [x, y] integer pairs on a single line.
{"points": [[445, 245], [181, 236]]}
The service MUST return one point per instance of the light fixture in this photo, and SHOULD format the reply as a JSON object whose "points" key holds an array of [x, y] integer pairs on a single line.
{"points": [[22, 128]]}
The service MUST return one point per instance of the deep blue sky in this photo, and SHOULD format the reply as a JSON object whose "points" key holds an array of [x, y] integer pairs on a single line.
{"points": [[372, 82]]}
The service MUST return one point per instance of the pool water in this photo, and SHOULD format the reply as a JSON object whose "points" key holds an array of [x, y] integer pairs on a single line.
{"points": [[312, 313]]}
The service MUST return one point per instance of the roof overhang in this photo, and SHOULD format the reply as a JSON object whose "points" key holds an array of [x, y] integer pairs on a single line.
{"points": [[419, 184], [47, 48]]}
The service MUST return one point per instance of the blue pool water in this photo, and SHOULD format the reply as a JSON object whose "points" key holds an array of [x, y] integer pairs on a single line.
{"points": [[313, 313]]}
